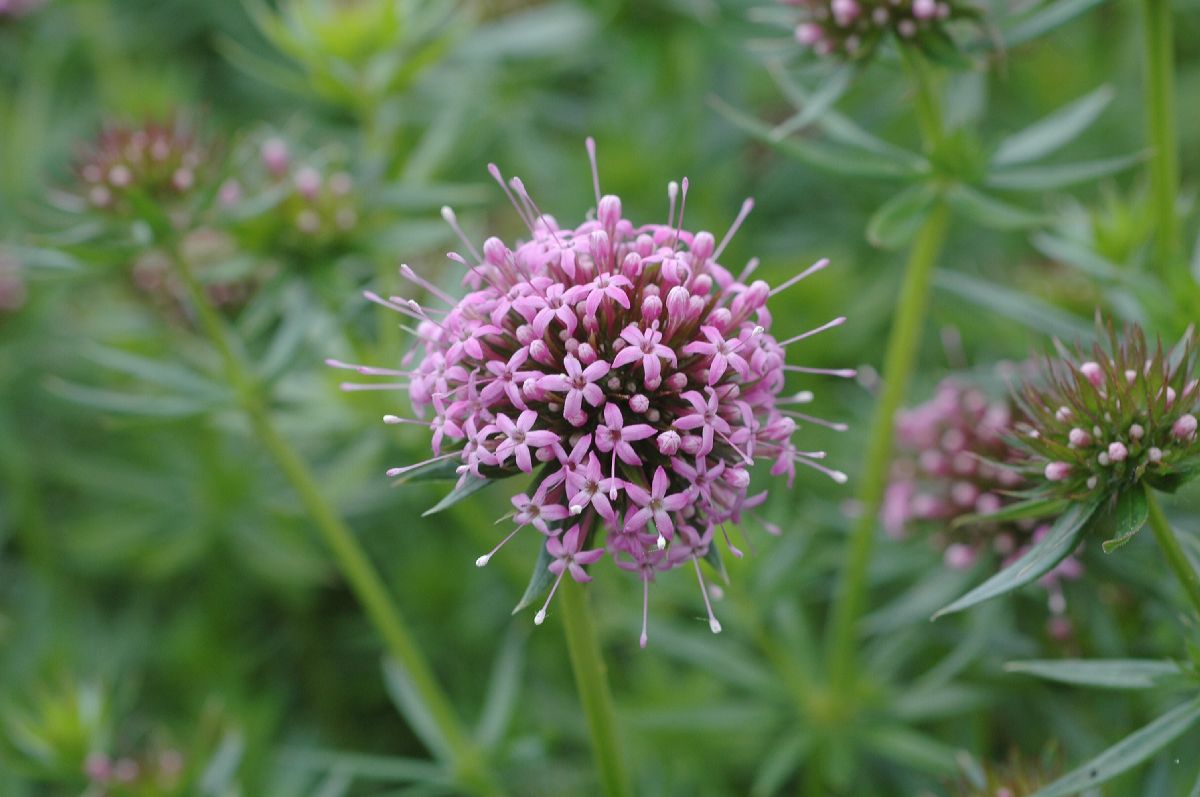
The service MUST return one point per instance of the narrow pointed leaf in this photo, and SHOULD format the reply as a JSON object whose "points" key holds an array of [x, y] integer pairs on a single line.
{"points": [[781, 760], [1054, 176], [1127, 753], [539, 581], [1130, 515], [1027, 310], [1054, 131], [897, 221], [504, 687], [992, 212], [1046, 19], [1079, 256], [821, 100], [442, 470], [1040, 559], [1100, 673], [410, 705], [472, 485], [1022, 510]]}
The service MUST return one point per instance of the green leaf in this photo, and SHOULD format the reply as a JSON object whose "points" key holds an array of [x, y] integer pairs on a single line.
{"points": [[1100, 673], [539, 580], [504, 687], [1022, 510], [1054, 131], [469, 487], [1054, 176], [913, 749], [989, 211], [897, 221], [781, 760], [1046, 19], [839, 160], [713, 557], [1127, 753], [410, 705], [1081, 257], [1130, 515], [1039, 560], [385, 769], [442, 470], [1027, 310], [131, 403], [818, 103], [1172, 480]]}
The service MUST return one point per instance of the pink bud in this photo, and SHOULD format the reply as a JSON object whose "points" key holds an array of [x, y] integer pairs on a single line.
{"points": [[495, 252], [1117, 452], [1185, 427], [1079, 438], [959, 556], [1057, 471], [586, 353], [668, 442], [808, 33], [308, 182], [275, 156], [639, 403], [1093, 373], [691, 444], [924, 9], [652, 308], [609, 211], [702, 246]]}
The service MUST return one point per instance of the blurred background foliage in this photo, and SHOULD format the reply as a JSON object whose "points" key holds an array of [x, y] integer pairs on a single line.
{"points": [[164, 603]]}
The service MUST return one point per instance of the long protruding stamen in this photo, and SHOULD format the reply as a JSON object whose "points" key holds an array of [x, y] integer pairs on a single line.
{"points": [[836, 475], [713, 623], [396, 420], [487, 557], [750, 268], [733, 549], [837, 322], [451, 219], [352, 387], [590, 144], [612, 488], [394, 472], [483, 275], [540, 617], [366, 370], [683, 189], [834, 425], [844, 373], [672, 195], [645, 610], [416, 279], [494, 171], [421, 314], [749, 460], [747, 206], [808, 272], [519, 187]]}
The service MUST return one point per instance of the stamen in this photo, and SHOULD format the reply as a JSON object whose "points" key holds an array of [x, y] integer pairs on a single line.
{"points": [[353, 387], [836, 475], [412, 276], [750, 268], [494, 171], [803, 397], [395, 420], [487, 557], [733, 549], [682, 207], [450, 218], [844, 373], [366, 370], [808, 272], [747, 206], [834, 425], [672, 195], [713, 623], [590, 144], [540, 617], [837, 322], [394, 472], [519, 186], [645, 609]]}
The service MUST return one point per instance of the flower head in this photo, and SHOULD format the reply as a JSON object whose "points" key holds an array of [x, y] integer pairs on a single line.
{"points": [[154, 161], [624, 366], [15, 9], [1102, 421], [853, 29]]}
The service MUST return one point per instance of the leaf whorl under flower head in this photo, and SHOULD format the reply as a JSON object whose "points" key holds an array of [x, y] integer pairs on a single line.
{"points": [[854, 29], [1103, 421], [635, 373]]}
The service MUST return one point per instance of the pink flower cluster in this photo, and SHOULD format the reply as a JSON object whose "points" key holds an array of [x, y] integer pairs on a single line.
{"points": [[954, 459], [852, 29], [155, 160], [625, 366]]}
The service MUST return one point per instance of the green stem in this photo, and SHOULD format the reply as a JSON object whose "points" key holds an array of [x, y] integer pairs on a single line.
{"points": [[357, 569], [1159, 52], [903, 342], [1176, 558], [591, 679]]}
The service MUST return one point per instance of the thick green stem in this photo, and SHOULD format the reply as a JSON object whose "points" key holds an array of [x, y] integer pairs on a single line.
{"points": [[1159, 53], [903, 342], [356, 568], [1171, 549], [591, 680]]}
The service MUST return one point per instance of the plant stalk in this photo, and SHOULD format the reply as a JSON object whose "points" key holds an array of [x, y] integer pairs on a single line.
{"points": [[591, 680], [1159, 66], [356, 568], [1174, 553], [903, 341]]}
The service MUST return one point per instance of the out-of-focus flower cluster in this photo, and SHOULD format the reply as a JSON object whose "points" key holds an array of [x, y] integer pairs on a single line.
{"points": [[1102, 423], [623, 364], [955, 460], [296, 207], [15, 9], [155, 161], [160, 774], [853, 29]]}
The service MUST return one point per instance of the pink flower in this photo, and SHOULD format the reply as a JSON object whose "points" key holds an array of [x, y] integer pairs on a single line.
{"points": [[655, 505], [568, 558], [647, 347], [535, 368], [579, 383]]}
